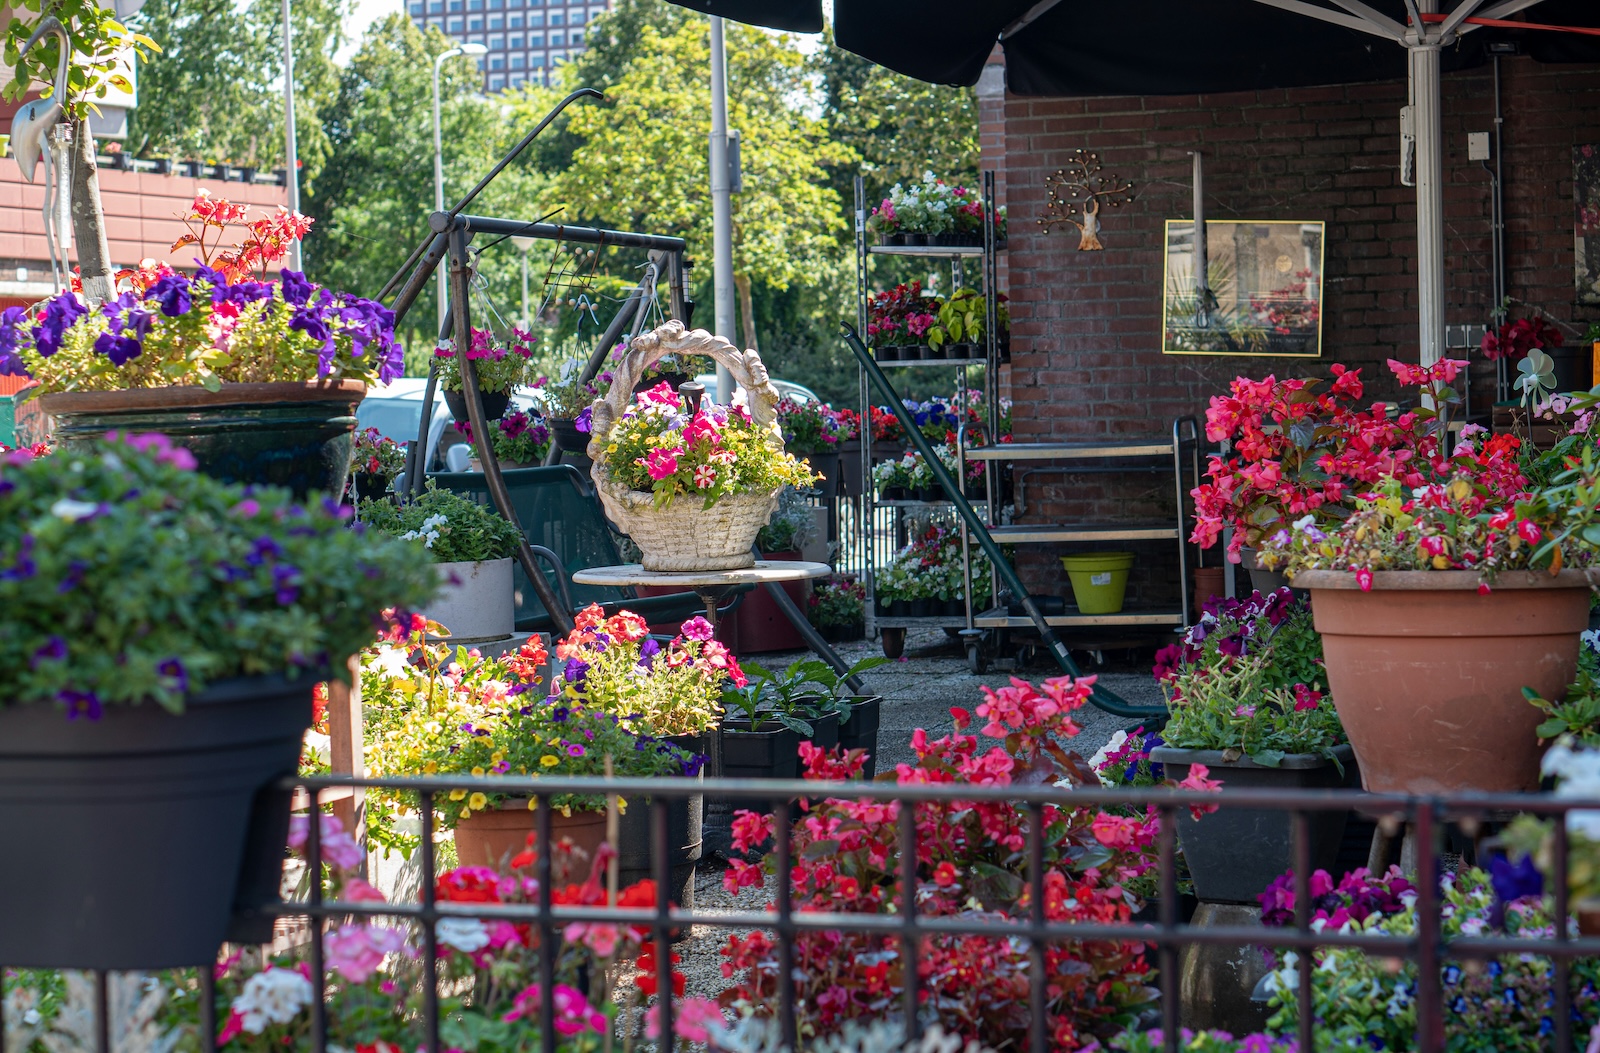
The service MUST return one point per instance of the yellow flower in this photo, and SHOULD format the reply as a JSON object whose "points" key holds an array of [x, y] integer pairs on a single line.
{"points": [[533, 804], [496, 757], [478, 801], [622, 806], [1441, 563], [430, 768], [477, 771], [457, 795], [549, 760], [566, 811]]}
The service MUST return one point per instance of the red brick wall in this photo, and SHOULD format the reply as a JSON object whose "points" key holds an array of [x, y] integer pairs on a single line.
{"points": [[1086, 325]]}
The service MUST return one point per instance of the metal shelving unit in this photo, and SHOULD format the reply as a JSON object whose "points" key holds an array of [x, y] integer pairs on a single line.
{"points": [[880, 536], [1183, 450]]}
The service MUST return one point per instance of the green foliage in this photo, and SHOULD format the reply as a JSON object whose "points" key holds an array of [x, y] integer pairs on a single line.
{"points": [[97, 41], [790, 526], [1578, 712], [785, 697], [1233, 708], [452, 528], [125, 578]]}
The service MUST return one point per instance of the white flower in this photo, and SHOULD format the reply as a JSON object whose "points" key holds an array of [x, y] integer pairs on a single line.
{"points": [[319, 746], [464, 934], [72, 511], [1304, 521], [391, 661], [273, 996]]}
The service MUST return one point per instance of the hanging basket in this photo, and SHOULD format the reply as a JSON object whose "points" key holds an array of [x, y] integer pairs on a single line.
{"points": [[684, 536]]}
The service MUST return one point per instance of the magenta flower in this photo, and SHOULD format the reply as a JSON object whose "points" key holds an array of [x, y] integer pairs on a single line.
{"points": [[662, 464], [697, 628]]}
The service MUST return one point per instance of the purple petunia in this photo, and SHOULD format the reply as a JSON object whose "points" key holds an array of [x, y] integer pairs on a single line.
{"points": [[173, 672], [11, 322], [60, 312], [80, 704], [23, 567], [295, 287], [53, 650], [575, 671], [171, 294]]}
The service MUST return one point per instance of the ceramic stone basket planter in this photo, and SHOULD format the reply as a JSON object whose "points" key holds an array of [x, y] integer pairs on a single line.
{"points": [[1427, 672], [1235, 853]]}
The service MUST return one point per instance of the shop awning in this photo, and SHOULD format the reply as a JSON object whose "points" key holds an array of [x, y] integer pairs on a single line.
{"points": [[1160, 47]]}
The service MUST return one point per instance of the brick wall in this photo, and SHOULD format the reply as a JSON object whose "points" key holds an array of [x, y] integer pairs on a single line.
{"points": [[1086, 325]]}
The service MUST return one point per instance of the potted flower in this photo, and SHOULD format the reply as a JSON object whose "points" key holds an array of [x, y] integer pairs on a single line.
{"points": [[769, 700], [283, 363], [1445, 595], [901, 313], [858, 714], [932, 212], [502, 365], [959, 331], [927, 575], [439, 710], [169, 629], [1517, 336], [813, 431], [1245, 691], [377, 460], [838, 609], [567, 398], [612, 665], [520, 440], [472, 548], [691, 485]]}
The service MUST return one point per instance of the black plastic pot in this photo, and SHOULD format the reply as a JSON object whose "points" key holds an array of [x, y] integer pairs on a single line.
{"points": [[894, 493], [826, 465], [567, 437], [900, 609], [850, 479], [371, 486], [920, 609], [131, 840], [860, 730], [847, 633], [766, 751], [495, 404], [824, 730], [1235, 853]]}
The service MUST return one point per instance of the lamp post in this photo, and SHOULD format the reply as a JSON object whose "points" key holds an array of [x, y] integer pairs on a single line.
{"points": [[290, 148], [524, 246], [438, 158]]}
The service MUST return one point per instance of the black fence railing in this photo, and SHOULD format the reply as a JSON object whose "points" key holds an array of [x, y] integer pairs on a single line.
{"points": [[1429, 947]]}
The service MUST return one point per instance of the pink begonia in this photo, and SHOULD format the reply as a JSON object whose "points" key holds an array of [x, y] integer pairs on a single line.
{"points": [[695, 1019], [1198, 779], [356, 951], [573, 1011], [358, 891], [662, 464], [338, 847], [697, 628], [600, 938]]}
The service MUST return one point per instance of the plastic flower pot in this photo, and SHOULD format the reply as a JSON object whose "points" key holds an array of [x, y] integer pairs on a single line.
{"points": [[1099, 580], [489, 838], [371, 486], [145, 830], [860, 730], [495, 404], [1427, 672], [767, 750], [887, 353], [476, 601], [824, 730], [1235, 853], [297, 435], [567, 437]]}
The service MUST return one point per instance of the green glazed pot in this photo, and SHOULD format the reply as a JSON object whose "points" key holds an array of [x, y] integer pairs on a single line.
{"points": [[294, 435]]}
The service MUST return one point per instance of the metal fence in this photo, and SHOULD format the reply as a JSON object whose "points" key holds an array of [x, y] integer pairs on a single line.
{"points": [[1428, 948]]}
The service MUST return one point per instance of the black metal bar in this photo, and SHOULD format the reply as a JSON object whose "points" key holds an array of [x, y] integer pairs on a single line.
{"points": [[1038, 1037], [1102, 697], [1560, 964], [547, 929], [581, 93], [910, 949], [319, 979], [1167, 871], [783, 832], [460, 291], [208, 1011], [661, 867], [1300, 824], [1430, 1021], [430, 935], [626, 239], [102, 1012]]}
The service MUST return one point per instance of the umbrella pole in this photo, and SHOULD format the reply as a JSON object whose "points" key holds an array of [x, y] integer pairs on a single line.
{"points": [[1423, 67]]}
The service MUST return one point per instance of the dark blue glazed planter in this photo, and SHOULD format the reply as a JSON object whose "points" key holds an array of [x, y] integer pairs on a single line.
{"points": [[294, 435]]}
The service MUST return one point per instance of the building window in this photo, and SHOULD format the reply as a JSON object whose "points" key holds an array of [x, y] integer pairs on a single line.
{"points": [[514, 41], [535, 18], [556, 18], [435, 6], [455, 5], [514, 21], [516, 60], [577, 38], [455, 25], [496, 83], [536, 61], [475, 24], [536, 40], [497, 62], [596, 12], [555, 40], [496, 42], [416, 8], [497, 22], [474, 5]]}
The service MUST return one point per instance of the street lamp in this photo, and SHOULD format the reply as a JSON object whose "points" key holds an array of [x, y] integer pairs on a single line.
{"points": [[438, 158], [524, 246]]}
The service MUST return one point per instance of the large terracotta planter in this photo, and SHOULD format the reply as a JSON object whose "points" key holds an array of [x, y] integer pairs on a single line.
{"points": [[298, 435], [1427, 674], [490, 838]]}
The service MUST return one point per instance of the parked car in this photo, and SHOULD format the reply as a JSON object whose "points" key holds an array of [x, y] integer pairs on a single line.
{"points": [[786, 389], [396, 411]]}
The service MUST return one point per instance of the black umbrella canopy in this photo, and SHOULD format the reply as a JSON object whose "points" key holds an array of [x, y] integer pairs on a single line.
{"points": [[1147, 47]]}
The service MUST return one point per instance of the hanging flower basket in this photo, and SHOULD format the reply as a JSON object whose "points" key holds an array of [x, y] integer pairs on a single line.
{"points": [[703, 511]]}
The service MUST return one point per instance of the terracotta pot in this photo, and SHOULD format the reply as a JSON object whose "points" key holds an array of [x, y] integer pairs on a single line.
{"points": [[488, 838], [1208, 582], [1427, 674], [1588, 914]]}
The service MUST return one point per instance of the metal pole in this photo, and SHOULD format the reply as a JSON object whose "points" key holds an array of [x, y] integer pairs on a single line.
{"points": [[1423, 66], [1202, 254], [721, 206], [524, 288], [438, 175], [291, 148]]}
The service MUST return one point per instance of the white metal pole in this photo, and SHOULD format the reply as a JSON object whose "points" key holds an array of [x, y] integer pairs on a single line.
{"points": [[525, 324], [721, 205], [1423, 66], [291, 148], [438, 179]]}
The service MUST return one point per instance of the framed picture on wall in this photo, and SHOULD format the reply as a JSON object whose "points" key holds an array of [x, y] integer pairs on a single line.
{"points": [[1586, 221], [1262, 292]]}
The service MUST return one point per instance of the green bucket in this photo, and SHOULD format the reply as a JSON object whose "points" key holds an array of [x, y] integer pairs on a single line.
{"points": [[1099, 580]]}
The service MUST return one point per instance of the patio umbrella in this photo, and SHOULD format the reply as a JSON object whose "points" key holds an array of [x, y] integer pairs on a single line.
{"points": [[1181, 47]]}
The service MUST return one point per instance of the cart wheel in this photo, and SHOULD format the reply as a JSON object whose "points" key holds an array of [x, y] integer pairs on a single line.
{"points": [[975, 659], [894, 642]]}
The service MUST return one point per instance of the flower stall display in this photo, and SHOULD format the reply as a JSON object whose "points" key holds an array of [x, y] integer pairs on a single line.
{"points": [[847, 857], [520, 440], [791, 526], [567, 398], [472, 547], [907, 479], [962, 328], [898, 321], [376, 461], [816, 432], [932, 212], [161, 619], [924, 579], [1472, 546], [691, 485], [432, 709], [501, 364], [174, 352], [1245, 689], [837, 608]]}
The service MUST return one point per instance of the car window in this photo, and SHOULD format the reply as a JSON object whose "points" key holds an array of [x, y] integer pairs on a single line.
{"points": [[395, 419]]}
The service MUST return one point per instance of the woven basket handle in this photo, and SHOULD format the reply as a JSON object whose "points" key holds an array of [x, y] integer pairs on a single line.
{"points": [[673, 339]]}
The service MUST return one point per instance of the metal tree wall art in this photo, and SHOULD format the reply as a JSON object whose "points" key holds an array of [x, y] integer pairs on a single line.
{"points": [[1077, 192]]}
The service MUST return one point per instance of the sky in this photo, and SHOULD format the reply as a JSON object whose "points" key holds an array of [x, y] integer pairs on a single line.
{"points": [[355, 27]]}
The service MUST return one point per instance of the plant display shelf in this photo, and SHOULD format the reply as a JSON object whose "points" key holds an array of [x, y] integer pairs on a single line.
{"points": [[870, 529], [927, 621], [1001, 618]]}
